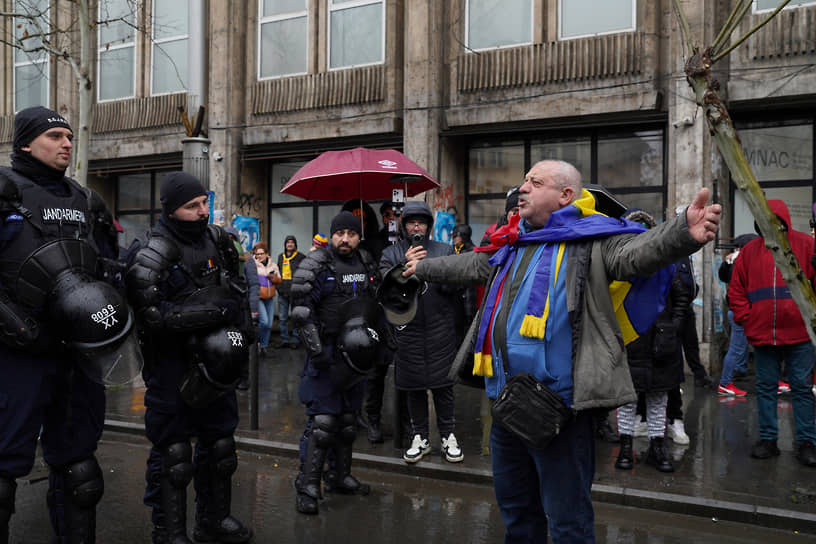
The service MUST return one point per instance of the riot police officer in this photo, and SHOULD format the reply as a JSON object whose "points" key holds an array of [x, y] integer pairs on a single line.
{"points": [[56, 320], [335, 310], [193, 309]]}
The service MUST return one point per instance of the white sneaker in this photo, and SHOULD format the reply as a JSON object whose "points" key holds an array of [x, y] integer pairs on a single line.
{"points": [[814, 390], [453, 453], [641, 429], [419, 447], [677, 432]]}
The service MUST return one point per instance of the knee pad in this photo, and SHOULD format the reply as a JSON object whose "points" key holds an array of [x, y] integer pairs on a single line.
{"points": [[348, 428], [177, 464], [223, 457], [8, 488], [83, 483], [325, 429]]}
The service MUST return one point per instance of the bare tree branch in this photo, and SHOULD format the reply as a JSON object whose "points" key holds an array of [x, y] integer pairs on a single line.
{"points": [[750, 32]]}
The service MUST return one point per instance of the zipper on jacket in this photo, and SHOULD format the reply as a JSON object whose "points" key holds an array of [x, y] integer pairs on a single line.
{"points": [[773, 322]]}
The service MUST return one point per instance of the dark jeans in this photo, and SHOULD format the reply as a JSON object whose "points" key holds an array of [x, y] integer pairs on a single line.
{"points": [[533, 485], [418, 410], [798, 364], [691, 345], [375, 390]]}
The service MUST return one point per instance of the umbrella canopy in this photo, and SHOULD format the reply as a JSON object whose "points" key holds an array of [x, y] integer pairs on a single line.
{"points": [[605, 202], [367, 174]]}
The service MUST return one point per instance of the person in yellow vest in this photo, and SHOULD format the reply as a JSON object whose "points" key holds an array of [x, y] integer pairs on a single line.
{"points": [[288, 262]]}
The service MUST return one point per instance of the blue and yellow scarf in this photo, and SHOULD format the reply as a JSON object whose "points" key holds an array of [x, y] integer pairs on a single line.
{"points": [[637, 302]]}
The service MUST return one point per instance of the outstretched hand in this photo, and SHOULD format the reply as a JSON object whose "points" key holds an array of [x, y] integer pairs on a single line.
{"points": [[703, 221]]}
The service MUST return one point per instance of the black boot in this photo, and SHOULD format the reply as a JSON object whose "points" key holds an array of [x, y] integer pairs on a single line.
{"points": [[626, 460], [8, 487], [170, 525], [657, 455], [213, 520], [307, 483], [339, 478], [375, 435], [605, 432]]}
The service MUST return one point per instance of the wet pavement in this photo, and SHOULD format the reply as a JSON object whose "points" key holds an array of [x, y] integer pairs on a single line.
{"points": [[714, 478], [400, 509]]}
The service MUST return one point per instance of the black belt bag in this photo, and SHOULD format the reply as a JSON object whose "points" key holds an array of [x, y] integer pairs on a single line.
{"points": [[530, 410]]}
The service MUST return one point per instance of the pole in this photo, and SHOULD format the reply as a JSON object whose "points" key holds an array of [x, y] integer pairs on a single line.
{"points": [[253, 388]]}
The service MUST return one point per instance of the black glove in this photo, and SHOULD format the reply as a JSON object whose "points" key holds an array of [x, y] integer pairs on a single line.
{"points": [[322, 360]]}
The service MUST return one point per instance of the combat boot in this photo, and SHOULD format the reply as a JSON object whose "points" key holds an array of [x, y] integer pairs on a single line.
{"points": [[338, 478], [657, 455], [8, 488], [626, 459], [307, 484], [375, 435]]}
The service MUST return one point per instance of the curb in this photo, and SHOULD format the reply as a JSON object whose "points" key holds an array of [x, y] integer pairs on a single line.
{"points": [[716, 510]]}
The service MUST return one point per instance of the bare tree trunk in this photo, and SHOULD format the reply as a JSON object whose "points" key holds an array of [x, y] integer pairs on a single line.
{"points": [[698, 73], [85, 94]]}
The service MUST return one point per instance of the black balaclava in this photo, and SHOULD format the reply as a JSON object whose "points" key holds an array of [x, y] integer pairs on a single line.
{"points": [[28, 124], [177, 189]]}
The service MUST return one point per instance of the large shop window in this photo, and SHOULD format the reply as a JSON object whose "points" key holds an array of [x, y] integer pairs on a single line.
{"points": [[283, 38], [169, 48], [30, 66], [137, 203], [629, 164], [582, 18], [356, 33], [117, 50], [781, 158], [770, 5], [498, 23]]}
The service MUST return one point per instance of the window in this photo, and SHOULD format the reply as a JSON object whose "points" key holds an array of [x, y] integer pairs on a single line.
{"points": [[169, 49], [117, 49], [283, 38], [770, 5], [30, 67], [498, 23], [356, 33], [606, 17], [137, 203]]}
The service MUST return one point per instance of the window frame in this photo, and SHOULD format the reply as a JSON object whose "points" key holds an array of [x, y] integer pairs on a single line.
{"points": [[560, 31], [349, 4], [46, 60], [262, 20], [100, 49], [470, 49], [158, 42], [755, 9]]}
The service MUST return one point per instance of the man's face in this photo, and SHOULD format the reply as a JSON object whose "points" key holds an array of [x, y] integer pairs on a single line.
{"points": [[541, 196], [457, 240], [387, 216], [415, 225], [53, 147], [290, 246], [345, 241], [193, 210]]}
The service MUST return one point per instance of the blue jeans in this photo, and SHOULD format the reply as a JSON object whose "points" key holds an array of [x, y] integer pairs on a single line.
{"points": [[798, 363], [533, 485], [266, 313], [283, 322], [737, 356]]}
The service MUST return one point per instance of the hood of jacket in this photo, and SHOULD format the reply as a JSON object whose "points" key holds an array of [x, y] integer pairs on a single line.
{"points": [[414, 208], [780, 209]]}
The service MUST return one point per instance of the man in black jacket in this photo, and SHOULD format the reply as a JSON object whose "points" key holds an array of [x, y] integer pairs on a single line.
{"points": [[425, 351]]}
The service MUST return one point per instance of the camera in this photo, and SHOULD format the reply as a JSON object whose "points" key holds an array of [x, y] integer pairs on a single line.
{"points": [[416, 239]]}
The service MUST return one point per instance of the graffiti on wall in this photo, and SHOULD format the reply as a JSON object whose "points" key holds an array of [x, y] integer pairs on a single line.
{"points": [[248, 204]]}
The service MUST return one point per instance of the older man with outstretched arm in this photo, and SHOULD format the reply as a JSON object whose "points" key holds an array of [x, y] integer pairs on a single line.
{"points": [[560, 266]]}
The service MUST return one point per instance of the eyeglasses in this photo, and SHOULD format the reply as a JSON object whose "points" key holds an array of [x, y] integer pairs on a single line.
{"points": [[260, 253]]}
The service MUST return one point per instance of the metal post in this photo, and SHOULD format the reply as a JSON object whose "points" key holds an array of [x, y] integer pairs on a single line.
{"points": [[196, 159], [253, 388]]}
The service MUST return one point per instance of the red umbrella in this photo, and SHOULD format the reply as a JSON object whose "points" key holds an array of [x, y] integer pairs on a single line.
{"points": [[367, 174]]}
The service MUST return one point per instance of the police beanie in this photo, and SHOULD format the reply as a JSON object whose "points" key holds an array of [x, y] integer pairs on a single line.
{"points": [[346, 220], [177, 189], [31, 122]]}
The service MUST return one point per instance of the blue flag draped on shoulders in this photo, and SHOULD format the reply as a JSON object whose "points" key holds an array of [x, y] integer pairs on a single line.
{"points": [[637, 302]]}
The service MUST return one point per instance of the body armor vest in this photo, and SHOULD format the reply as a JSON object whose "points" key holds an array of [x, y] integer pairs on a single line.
{"points": [[351, 279], [45, 217]]}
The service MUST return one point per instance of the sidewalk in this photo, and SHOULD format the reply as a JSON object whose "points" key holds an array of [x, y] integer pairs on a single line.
{"points": [[714, 476]]}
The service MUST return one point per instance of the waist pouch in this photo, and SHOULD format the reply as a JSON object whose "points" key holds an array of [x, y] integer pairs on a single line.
{"points": [[530, 410]]}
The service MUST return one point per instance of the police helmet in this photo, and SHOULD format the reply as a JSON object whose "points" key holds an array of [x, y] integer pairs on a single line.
{"points": [[359, 344], [216, 360]]}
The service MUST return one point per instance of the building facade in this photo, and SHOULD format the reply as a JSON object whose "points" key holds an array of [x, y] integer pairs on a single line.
{"points": [[474, 91]]}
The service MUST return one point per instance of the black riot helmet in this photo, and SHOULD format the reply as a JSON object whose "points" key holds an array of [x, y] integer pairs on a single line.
{"points": [[216, 360], [91, 317], [359, 344]]}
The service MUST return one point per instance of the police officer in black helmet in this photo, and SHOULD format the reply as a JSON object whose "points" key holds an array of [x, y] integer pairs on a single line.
{"points": [[55, 240], [193, 309], [334, 292]]}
